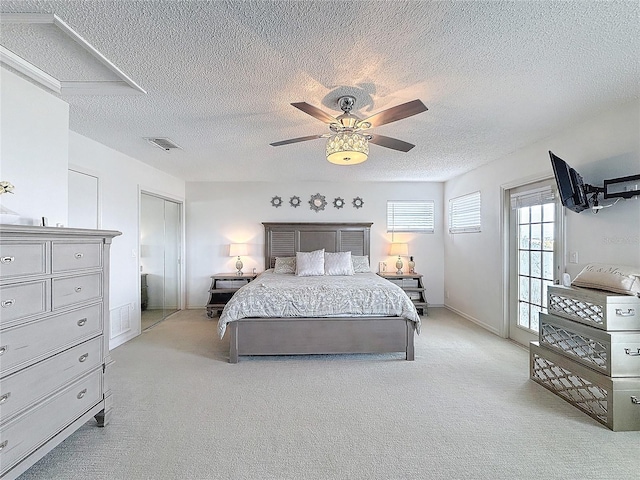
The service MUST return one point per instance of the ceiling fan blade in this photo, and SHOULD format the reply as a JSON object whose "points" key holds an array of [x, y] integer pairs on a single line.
{"points": [[315, 112], [396, 113], [392, 143], [296, 140]]}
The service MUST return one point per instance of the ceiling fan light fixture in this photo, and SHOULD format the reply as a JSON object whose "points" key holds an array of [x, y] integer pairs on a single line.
{"points": [[347, 148]]}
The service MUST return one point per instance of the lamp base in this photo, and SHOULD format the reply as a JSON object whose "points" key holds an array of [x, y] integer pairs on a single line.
{"points": [[399, 266], [239, 266]]}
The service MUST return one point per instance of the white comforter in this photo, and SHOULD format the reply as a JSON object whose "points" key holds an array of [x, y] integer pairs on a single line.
{"points": [[276, 295]]}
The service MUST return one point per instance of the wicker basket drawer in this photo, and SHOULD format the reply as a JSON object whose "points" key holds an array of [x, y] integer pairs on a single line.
{"points": [[616, 354], [21, 259], [25, 344], [23, 300], [606, 311], [75, 256], [28, 386], [25, 433], [72, 290], [614, 402]]}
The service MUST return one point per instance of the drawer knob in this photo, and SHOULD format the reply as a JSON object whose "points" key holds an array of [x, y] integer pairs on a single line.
{"points": [[8, 303], [83, 357], [7, 259], [629, 313], [632, 354], [4, 444], [78, 289], [81, 393], [79, 255], [3, 349], [4, 398], [82, 321]]}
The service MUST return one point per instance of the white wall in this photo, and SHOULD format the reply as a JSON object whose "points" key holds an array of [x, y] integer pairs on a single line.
{"points": [[222, 213], [34, 137], [605, 146], [121, 178], [37, 149]]}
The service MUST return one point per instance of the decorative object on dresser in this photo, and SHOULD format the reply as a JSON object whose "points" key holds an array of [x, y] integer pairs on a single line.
{"points": [[588, 353], [338, 202], [237, 250], [412, 265], [399, 249], [54, 296], [357, 202], [223, 286], [7, 216], [412, 284]]}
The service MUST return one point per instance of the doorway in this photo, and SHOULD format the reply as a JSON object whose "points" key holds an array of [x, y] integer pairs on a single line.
{"points": [[160, 247], [535, 255]]}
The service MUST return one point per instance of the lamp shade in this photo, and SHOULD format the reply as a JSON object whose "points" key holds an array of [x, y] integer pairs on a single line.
{"points": [[347, 148], [237, 249], [400, 249]]}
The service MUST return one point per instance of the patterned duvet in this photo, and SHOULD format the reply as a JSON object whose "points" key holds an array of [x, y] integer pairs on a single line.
{"points": [[276, 295]]}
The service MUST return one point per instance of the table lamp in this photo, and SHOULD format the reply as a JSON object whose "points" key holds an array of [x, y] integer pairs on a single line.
{"points": [[236, 250], [399, 249]]}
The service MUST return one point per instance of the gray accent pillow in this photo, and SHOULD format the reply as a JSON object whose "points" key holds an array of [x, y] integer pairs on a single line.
{"points": [[285, 265], [360, 263]]}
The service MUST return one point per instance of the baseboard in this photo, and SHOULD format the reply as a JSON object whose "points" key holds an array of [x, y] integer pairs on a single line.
{"points": [[474, 320]]}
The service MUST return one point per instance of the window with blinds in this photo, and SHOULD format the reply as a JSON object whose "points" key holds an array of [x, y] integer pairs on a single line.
{"points": [[464, 213], [415, 216]]}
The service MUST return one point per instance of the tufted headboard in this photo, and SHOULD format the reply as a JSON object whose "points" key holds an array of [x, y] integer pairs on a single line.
{"points": [[285, 239]]}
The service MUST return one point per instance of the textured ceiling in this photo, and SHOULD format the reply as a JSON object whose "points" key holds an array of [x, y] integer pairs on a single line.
{"points": [[220, 77]]}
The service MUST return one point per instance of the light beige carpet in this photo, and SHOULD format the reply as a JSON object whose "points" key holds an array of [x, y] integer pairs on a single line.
{"points": [[464, 409]]}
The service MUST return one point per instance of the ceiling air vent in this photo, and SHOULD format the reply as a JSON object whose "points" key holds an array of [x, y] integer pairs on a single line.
{"points": [[163, 143]]}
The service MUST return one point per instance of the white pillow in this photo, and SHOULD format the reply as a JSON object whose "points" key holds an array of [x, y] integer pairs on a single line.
{"points": [[309, 264], [285, 265], [613, 278], [338, 263], [360, 263]]}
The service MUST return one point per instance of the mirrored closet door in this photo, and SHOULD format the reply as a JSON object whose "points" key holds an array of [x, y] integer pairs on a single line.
{"points": [[160, 246]]}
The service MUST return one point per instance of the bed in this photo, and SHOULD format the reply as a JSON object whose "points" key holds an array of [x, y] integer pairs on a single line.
{"points": [[296, 331]]}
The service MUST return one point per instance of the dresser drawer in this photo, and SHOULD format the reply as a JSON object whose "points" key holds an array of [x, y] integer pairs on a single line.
{"points": [[20, 300], [32, 384], [25, 433], [78, 289], [615, 354], [599, 309], [33, 341], [22, 259], [75, 256]]}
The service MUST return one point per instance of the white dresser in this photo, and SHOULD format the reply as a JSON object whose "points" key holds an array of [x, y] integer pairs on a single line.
{"points": [[588, 353], [54, 342]]}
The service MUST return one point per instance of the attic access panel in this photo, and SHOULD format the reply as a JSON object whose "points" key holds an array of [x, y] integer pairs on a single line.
{"points": [[48, 51]]}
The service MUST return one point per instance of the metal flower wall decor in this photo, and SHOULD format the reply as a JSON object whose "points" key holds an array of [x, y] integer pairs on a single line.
{"points": [[317, 202]]}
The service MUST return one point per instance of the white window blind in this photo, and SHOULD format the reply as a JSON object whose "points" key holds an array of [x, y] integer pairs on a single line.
{"points": [[529, 198], [416, 216], [464, 213]]}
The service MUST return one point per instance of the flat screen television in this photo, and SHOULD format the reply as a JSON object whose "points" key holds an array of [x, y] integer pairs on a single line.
{"points": [[570, 185]]}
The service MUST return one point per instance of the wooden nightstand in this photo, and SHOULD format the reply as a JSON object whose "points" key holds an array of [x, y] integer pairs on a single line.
{"points": [[412, 284], [223, 286]]}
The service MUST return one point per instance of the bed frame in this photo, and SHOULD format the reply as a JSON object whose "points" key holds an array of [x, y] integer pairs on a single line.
{"points": [[328, 335]]}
